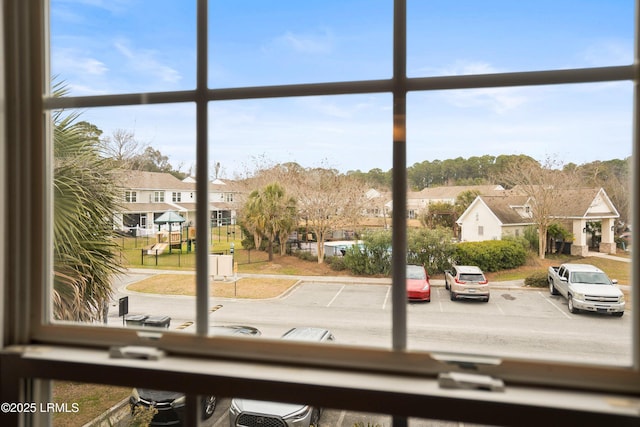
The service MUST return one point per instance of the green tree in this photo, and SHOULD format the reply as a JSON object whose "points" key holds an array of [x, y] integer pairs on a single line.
{"points": [[272, 213], [85, 254], [432, 248]]}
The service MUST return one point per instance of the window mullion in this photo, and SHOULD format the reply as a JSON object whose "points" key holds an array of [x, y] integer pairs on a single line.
{"points": [[399, 215], [202, 175], [635, 214]]}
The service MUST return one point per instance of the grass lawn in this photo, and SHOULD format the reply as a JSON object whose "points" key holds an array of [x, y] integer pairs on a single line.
{"points": [[183, 284], [92, 400]]}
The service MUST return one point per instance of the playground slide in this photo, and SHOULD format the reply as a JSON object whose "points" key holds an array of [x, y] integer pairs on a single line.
{"points": [[159, 247]]}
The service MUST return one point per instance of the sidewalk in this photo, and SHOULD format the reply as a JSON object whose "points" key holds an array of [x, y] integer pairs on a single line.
{"points": [[607, 256], [509, 284]]}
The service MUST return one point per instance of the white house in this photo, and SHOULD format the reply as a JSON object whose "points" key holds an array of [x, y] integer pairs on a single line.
{"points": [[508, 214], [147, 195]]}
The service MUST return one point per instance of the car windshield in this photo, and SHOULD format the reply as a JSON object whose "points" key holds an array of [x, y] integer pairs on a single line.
{"points": [[593, 278], [471, 277], [416, 273]]}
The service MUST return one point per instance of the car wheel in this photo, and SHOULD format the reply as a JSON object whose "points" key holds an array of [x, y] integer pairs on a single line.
{"points": [[552, 289], [453, 296], [487, 299], [446, 285], [618, 313], [208, 406], [572, 308]]}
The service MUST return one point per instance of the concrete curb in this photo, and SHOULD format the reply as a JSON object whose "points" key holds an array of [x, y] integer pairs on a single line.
{"points": [[113, 416]]}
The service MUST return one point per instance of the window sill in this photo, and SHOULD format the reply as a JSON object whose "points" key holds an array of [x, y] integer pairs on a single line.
{"points": [[368, 391]]}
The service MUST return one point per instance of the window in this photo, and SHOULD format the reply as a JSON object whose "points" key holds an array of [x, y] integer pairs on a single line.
{"points": [[394, 101], [130, 196], [158, 196], [176, 196], [480, 230]]}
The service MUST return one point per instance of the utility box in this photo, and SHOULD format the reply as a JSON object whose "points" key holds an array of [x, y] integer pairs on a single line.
{"points": [[221, 265]]}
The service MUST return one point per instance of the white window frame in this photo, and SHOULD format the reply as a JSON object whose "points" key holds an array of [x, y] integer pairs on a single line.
{"points": [[176, 196], [333, 375], [130, 196]]}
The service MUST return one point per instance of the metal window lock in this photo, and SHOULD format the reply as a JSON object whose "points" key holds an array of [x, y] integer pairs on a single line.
{"points": [[460, 380], [136, 352]]}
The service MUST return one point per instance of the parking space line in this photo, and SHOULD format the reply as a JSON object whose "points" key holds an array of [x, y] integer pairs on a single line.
{"points": [[221, 420], [336, 295], [440, 300], [555, 306], [341, 419], [499, 308], [386, 298]]}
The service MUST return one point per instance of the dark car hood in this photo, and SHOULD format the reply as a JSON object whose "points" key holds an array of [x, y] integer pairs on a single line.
{"points": [[158, 395]]}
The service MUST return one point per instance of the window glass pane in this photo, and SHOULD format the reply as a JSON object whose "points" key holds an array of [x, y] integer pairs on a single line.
{"points": [[121, 47], [470, 37], [116, 173], [303, 169], [258, 43], [561, 156]]}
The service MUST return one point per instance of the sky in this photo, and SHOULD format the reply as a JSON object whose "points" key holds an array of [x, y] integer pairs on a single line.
{"points": [[126, 46]]}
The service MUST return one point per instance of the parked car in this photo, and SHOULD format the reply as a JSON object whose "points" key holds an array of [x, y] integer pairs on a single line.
{"points": [[466, 281], [170, 404], [418, 286], [586, 287], [250, 413]]}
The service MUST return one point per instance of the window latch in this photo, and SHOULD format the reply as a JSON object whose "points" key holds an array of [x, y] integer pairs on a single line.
{"points": [[136, 352], [465, 381]]}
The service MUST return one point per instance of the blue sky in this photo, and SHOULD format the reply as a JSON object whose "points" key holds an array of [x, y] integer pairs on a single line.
{"points": [[118, 46]]}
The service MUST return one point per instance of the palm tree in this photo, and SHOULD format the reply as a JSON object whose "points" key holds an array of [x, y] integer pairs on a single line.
{"points": [[85, 197], [271, 213]]}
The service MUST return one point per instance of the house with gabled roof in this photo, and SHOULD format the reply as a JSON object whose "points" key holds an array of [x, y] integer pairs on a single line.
{"points": [[419, 201], [148, 195], [492, 217]]}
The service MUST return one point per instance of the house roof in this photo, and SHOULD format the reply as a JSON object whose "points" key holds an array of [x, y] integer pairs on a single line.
{"points": [[420, 199], [503, 208], [143, 180], [575, 203], [453, 191]]}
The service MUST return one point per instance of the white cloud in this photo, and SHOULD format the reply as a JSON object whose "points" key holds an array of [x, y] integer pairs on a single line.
{"points": [[498, 100], [609, 52], [70, 61], [319, 43], [145, 61]]}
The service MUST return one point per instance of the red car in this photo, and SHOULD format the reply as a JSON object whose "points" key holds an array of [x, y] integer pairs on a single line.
{"points": [[418, 286]]}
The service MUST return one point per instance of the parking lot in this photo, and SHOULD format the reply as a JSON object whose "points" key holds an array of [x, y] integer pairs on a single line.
{"points": [[515, 322]]}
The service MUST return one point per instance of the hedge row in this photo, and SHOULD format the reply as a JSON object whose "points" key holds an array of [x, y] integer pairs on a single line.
{"points": [[434, 249], [491, 255]]}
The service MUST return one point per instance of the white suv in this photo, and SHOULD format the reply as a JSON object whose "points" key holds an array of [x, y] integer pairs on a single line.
{"points": [[250, 413], [466, 281]]}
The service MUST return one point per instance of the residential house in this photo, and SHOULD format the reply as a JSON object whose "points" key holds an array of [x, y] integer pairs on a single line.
{"points": [[147, 195], [492, 217]]}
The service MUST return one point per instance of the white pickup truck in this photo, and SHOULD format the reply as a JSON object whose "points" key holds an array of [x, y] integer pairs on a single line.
{"points": [[586, 287]]}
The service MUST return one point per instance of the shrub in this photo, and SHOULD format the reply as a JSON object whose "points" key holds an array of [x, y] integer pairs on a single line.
{"points": [[336, 263], [373, 258], [491, 255], [538, 279], [306, 256], [432, 248]]}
